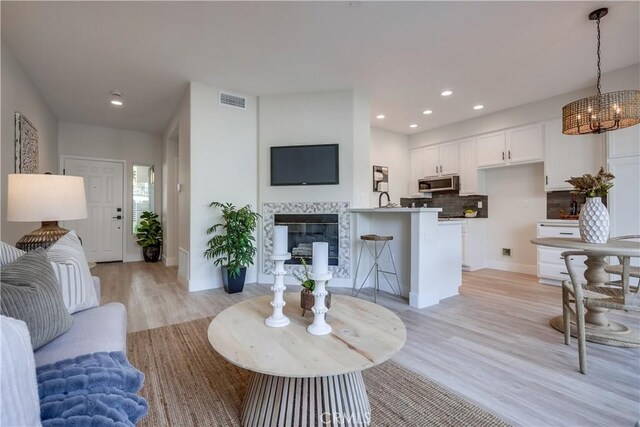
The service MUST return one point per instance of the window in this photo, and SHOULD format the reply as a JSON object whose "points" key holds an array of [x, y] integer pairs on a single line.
{"points": [[143, 178]]}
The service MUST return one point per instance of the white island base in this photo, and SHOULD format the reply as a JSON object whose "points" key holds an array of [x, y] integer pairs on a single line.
{"points": [[427, 252]]}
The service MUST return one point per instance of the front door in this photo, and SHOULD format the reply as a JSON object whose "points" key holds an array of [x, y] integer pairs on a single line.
{"points": [[102, 231]]}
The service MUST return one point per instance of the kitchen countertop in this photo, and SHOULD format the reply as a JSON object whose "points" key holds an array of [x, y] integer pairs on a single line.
{"points": [[394, 210]]}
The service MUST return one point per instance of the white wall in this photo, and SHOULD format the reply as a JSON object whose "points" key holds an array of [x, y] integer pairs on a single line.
{"points": [[224, 168], [133, 147], [392, 150], [336, 117], [176, 169], [20, 94], [516, 202], [305, 119]]}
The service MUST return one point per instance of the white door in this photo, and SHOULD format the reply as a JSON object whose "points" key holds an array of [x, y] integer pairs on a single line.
{"points": [[431, 161], [490, 150], [449, 159], [524, 144], [102, 231]]}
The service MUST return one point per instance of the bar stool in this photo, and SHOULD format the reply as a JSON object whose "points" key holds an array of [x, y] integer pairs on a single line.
{"points": [[376, 254]]}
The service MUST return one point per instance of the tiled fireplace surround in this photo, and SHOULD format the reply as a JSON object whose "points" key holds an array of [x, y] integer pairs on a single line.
{"points": [[269, 210]]}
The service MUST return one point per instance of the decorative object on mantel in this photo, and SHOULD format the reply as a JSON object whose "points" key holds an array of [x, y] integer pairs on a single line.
{"points": [[605, 111], [593, 221], [307, 300], [470, 213], [234, 250], [25, 145], [48, 199], [279, 256], [320, 274], [149, 234], [380, 178]]}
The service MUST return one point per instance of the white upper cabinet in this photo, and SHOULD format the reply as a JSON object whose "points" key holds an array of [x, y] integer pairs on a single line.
{"points": [[448, 154], [416, 170], [524, 144], [468, 169], [569, 155], [430, 161], [624, 142], [490, 149]]}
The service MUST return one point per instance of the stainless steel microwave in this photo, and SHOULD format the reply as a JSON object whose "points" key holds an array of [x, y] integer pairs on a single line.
{"points": [[439, 183]]}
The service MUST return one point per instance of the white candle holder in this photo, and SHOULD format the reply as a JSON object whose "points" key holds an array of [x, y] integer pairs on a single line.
{"points": [[278, 319], [319, 325]]}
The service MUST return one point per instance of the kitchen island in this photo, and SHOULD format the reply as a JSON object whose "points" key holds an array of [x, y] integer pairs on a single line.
{"points": [[427, 252]]}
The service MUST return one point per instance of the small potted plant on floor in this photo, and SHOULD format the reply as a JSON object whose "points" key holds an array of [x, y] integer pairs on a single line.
{"points": [[149, 234], [306, 295], [233, 250]]}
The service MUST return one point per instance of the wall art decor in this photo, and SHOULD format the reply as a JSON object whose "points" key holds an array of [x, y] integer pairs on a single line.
{"points": [[26, 145], [380, 178]]}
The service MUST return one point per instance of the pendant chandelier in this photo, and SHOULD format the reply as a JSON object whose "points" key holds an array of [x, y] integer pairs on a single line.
{"points": [[605, 111]]}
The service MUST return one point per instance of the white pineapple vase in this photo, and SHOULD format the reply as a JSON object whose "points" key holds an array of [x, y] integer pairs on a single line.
{"points": [[594, 221]]}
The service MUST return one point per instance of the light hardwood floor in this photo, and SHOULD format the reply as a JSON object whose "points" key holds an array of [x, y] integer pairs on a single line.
{"points": [[491, 344]]}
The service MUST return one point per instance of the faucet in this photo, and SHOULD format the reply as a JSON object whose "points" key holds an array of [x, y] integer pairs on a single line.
{"points": [[380, 198]]}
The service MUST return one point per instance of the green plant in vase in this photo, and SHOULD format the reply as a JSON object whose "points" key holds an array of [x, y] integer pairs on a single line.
{"points": [[149, 234], [306, 295]]}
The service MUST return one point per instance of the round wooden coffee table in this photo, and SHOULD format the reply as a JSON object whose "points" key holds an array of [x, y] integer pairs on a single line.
{"points": [[299, 379]]}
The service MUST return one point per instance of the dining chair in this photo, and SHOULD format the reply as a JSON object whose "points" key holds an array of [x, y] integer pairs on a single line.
{"points": [[617, 268], [613, 295]]}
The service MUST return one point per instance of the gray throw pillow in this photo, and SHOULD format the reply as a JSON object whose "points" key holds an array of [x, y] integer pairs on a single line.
{"points": [[30, 293]]}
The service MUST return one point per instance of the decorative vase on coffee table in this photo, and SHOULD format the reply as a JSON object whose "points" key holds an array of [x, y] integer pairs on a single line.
{"points": [[593, 222]]}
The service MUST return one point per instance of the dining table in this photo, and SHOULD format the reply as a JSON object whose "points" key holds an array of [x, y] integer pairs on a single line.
{"points": [[598, 327]]}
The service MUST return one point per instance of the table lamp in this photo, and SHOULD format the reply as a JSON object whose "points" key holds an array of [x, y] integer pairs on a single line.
{"points": [[46, 198]]}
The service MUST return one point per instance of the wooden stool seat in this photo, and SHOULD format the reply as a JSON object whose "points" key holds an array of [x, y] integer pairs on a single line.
{"points": [[376, 238]]}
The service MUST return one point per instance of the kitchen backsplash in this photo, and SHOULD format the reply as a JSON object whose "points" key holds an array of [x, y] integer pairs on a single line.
{"points": [[561, 201], [451, 204]]}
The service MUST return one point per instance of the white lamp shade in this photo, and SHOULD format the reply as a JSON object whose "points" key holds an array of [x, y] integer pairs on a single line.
{"points": [[35, 197]]}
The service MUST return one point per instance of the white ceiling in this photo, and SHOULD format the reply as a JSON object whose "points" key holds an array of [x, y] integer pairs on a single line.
{"points": [[500, 54]]}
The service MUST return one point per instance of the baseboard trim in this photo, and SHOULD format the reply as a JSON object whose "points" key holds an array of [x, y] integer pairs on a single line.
{"points": [[512, 267], [169, 261], [133, 258]]}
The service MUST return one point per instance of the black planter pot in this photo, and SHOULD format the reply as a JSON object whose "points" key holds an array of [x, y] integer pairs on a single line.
{"points": [[151, 253], [233, 285]]}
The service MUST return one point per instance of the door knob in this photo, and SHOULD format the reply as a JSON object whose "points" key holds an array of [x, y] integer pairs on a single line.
{"points": [[117, 217]]}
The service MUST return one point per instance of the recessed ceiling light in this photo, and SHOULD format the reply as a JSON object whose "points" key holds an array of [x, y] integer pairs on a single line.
{"points": [[426, 112], [478, 107], [413, 125], [116, 98], [446, 93], [380, 116]]}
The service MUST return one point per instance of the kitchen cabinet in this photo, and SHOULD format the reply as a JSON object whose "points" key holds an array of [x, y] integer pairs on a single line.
{"points": [[430, 161], [569, 155], [552, 269], [471, 180], [473, 243], [523, 144], [624, 142], [490, 149], [416, 170], [624, 198], [441, 159]]}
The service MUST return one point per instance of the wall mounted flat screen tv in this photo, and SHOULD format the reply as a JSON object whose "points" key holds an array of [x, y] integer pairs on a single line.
{"points": [[305, 165]]}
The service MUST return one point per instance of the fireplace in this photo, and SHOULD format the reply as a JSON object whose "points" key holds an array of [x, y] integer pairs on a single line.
{"points": [[305, 229]]}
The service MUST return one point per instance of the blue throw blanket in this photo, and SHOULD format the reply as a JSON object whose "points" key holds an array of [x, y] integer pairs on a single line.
{"points": [[94, 389]]}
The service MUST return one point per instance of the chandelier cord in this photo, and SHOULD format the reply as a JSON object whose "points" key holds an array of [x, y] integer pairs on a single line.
{"points": [[599, 72]]}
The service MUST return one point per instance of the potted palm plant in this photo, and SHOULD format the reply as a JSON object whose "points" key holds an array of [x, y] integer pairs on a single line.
{"points": [[233, 250], [149, 234]]}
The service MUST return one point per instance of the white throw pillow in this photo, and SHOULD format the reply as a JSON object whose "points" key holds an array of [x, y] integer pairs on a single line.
{"points": [[9, 253], [19, 402], [72, 271]]}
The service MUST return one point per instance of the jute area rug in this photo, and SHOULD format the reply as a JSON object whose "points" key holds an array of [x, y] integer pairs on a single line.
{"points": [[188, 384]]}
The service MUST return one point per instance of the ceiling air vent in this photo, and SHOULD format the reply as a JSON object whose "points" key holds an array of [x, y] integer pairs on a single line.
{"points": [[233, 101]]}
